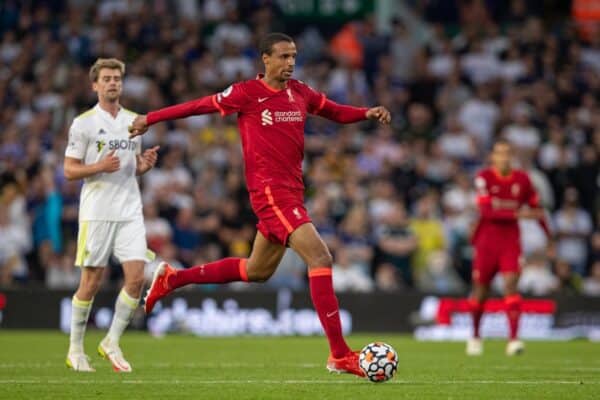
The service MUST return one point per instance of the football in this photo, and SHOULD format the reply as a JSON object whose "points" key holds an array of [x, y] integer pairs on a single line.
{"points": [[379, 361]]}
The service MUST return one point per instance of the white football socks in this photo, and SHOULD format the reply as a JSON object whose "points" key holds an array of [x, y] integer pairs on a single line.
{"points": [[125, 306], [80, 313]]}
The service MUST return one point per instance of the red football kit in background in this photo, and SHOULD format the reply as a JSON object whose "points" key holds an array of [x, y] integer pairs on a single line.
{"points": [[271, 124], [496, 237]]}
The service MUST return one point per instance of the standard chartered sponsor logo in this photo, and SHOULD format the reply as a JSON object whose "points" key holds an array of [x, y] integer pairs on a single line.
{"points": [[266, 117], [269, 117], [288, 116]]}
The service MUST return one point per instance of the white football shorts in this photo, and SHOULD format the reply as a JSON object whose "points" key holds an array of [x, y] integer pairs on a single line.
{"points": [[97, 240]]}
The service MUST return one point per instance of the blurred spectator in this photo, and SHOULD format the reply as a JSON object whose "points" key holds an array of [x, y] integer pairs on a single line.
{"points": [[568, 282], [158, 230], [429, 233], [45, 209], [479, 116], [573, 225], [349, 276], [438, 276], [186, 236], [591, 284], [229, 32], [536, 277], [522, 134], [395, 245], [457, 144], [356, 238], [62, 272], [404, 48]]}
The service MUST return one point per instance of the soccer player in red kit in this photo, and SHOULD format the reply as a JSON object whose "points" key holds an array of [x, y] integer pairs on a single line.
{"points": [[271, 113], [503, 196]]}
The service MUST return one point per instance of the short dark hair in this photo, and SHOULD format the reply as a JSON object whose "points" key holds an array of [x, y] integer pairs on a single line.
{"points": [[266, 43], [502, 141]]}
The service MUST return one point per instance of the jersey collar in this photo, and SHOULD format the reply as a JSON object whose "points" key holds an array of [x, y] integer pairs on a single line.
{"points": [[266, 85], [503, 177], [107, 114]]}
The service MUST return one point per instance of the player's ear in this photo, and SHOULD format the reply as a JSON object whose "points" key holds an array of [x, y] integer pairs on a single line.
{"points": [[265, 58]]}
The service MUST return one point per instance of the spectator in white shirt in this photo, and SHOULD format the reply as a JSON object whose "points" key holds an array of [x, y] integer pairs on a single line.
{"points": [[573, 225]]}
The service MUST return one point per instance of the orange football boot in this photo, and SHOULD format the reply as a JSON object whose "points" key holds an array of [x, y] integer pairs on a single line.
{"points": [[345, 365], [159, 287]]}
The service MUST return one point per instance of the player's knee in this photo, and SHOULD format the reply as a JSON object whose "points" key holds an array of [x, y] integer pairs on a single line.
{"points": [[324, 259], [134, 285], [260, 276], [89, 287]]}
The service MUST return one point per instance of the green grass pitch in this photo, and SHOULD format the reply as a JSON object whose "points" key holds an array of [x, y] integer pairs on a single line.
{"points": [[184, 367]]}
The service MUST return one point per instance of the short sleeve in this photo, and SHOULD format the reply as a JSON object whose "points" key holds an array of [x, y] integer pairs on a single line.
{"points": [[314, 100], [231, 100], [481, 185], [78, 142]]}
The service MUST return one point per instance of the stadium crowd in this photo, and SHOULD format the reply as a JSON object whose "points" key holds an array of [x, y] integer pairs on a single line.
{"points": [[394, 203]]}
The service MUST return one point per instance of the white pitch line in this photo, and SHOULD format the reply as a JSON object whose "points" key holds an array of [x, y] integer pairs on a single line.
{"points": [[289, 382], [174, 365], [161, 365]]}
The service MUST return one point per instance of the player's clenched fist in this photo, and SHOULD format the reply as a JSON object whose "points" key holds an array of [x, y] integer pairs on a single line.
{"points": [[110, 163], [379, 113], [139, 126]]}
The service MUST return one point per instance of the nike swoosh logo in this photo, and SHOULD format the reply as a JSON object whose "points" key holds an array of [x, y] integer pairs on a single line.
{"points": [[261, 99], [331, 314]]}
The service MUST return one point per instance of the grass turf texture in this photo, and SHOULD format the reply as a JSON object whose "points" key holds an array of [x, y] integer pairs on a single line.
{"points": [[32, 366]]}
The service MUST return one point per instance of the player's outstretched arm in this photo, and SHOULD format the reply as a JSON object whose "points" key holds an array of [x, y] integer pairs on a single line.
{"points": [[346, 114], [203, 105], [75, 169]]}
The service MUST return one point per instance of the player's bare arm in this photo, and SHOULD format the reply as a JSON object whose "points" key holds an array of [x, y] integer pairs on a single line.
{"points": [[530, 213], [147, 160], [75, 169], [380, 114]]}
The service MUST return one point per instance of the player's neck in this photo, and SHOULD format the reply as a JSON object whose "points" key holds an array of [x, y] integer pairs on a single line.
{"points": [[503, 172], [111, 107], [274, 83]]}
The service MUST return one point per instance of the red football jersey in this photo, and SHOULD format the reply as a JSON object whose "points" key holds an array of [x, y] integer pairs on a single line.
{"points": [[498, 198], [271, 124]]}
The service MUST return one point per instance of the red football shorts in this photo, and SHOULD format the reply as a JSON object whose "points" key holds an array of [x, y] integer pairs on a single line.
{"points": [[493, 257], [280, 211]]}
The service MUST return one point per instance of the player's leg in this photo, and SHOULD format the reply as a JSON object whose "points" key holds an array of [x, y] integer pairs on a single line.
{"points": [[93, 251], [479, 295], [512, 302], [81, 305], [484, 268], [510, 269], [306, 241], [261, 264], [125, 306], [264, 259]]}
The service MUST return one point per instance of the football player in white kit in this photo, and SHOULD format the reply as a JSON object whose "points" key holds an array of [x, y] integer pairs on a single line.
{"points": [[100, 152]]}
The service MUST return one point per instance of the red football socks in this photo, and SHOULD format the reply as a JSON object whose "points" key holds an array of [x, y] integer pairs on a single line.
{"points": [[476, 313], [221, 271], [326, 304], [513, 312]]}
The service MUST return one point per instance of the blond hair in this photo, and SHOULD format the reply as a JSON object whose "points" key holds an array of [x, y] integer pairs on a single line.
{"points": [[111, 63]]}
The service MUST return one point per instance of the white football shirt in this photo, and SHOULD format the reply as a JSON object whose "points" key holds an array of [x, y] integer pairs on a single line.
{"points": [[107, 196]]}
